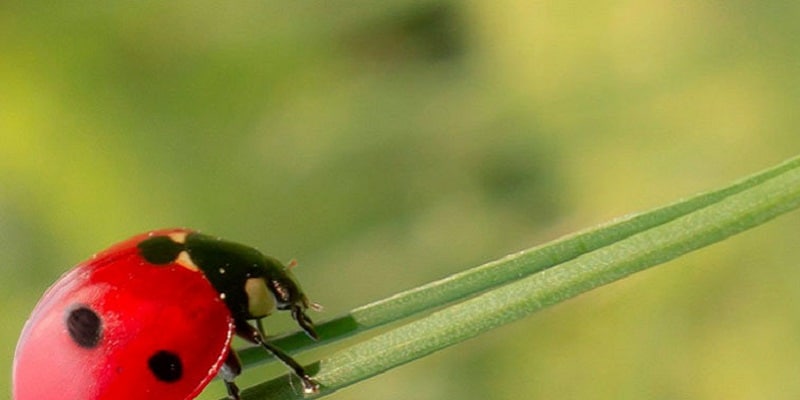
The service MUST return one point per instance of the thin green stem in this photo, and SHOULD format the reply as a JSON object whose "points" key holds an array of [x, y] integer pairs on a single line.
{"points": [[723, 216], [513, 267]]}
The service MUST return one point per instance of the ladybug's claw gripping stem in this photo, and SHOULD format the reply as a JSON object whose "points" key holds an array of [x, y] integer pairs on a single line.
{"points": [[309, 386]]}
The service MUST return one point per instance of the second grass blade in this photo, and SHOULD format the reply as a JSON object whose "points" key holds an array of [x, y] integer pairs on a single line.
{"points": [[723, 218], [475, 280]]}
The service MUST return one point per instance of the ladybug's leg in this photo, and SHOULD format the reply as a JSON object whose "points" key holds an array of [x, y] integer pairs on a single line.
{"points": [[248, 332], [260, 326], [229, 371]]}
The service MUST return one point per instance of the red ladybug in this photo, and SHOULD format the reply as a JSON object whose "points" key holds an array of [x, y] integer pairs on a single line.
{"points": [[152, 318]]}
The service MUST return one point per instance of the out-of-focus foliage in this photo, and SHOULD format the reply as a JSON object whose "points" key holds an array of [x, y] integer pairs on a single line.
{"points": [[385, 144]]}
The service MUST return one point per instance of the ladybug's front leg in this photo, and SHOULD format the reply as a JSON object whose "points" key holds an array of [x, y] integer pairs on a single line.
{"points": [[249, 333], [229, 371]]}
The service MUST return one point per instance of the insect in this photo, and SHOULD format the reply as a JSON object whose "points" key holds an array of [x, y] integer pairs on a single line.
{"points": [[153, 317]]}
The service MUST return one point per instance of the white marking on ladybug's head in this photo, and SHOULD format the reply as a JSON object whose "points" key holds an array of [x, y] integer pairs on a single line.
{"points": [[185, 261], [222, 296], [260, 301], [178, 237]]}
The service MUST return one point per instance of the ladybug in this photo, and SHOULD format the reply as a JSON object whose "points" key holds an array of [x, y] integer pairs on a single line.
{"points": [[153, 317]]}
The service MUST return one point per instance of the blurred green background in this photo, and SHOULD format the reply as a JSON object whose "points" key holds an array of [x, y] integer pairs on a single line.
{"points": [[387, 144]]}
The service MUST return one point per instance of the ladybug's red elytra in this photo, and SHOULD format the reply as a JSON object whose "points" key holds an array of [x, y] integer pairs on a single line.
{"points": [[153, 317]]}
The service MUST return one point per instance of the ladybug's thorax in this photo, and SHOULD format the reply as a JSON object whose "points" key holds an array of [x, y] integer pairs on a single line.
{"points": [[251, 284]]}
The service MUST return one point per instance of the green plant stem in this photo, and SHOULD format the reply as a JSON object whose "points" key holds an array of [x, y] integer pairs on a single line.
{"points": [[726, 216], [513, 267]]}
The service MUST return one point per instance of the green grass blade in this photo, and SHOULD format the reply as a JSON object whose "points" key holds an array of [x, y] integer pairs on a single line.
{"points": [[493, 274], [724, 216]]}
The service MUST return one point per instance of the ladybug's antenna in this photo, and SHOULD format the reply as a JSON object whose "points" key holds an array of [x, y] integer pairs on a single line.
{"points": [[292, 263]]}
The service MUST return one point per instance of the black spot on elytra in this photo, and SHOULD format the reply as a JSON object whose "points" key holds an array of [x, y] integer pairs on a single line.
{"points": [[160, 249], [166, 366], [84, 326]]}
